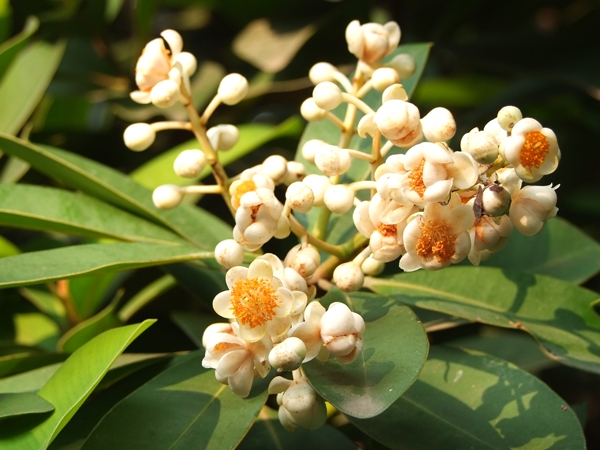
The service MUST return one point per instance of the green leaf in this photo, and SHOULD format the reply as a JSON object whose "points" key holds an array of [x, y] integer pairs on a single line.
{"points": [[39, 267], [13, 170], [7, 248], [558, 314], [560, 250], [22, 362], [36, 329], [159, 170], [193, 324], [30, 381], [21, 206], [112, 9], [203, 279], [145, 296], [466, 399], [11, 48], [73, 383], [21, 404], [384, 370], [183, 407], [95, 179], [25, 82], [89, 294]]}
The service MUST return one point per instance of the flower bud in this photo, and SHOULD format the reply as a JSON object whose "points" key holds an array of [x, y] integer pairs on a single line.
{"points": [[508, 117], [495, 200], [372, 267], [139, 136], [229, 253], [300, 406], [305, 261], [319, 185], [341, 332], [394, 92], [223, 137], [275, 167], [438, 125], [531, 207], [366, 126], [327, 95], [371, 42], [295, 172], [348, 277], [300, 197], [321, 72], [311, 112], [398, 121], [190, 163], [167, 196], [404, 64], [311, 148], [339, 198], [233, 88], [174, 40], [332, 160], [188, 62], [481, 145], [165, 93], [288, 355], [384, 77]]}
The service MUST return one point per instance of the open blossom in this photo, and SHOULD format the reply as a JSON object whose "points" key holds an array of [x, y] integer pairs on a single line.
{"points": [[531, 207], [309, 332], [438, 236], [371, 41], [256, 300], [532, 150]]}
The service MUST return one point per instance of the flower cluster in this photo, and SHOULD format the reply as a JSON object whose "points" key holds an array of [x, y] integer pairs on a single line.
{"points": [[420, 202]]}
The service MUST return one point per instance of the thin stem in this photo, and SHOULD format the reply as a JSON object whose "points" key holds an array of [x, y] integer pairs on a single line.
{"points": [[365, 88], [444, 324], [357, 102], [386, 148], [360, 258], [336, 120], [201, 189], [210, 109], [360, 155], [171, 125], [343, 80], [300, 231], [360, 185]]}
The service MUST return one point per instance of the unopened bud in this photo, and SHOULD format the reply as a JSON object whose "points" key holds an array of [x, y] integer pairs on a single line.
{"points": [[404, 64], [295, 172], [508, 116], [233, 88], [372, 267], [165, 93], [311, 112], [327, 95], [188, 62], [229, 253], [167, 196], [495, 200], [223, 137], [319, 185], [384, 77], [288, 355], [348, 277], [332, 160], [394, 92], [339, 198], [321, 72], [189, 163], [311, 148], [300, 197], [438, 125], [275, 167], [305, 261], [139, 136], [481, 145]]}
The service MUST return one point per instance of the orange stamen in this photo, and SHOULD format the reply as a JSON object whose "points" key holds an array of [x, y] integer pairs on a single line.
{"points": [[534, 150], [253, 301], [416, 179], [436, 241], [387, 230], [244, 186]]}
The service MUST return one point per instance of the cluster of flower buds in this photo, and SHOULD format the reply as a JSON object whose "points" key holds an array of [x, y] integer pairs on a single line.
{"points": [[425, 205]]}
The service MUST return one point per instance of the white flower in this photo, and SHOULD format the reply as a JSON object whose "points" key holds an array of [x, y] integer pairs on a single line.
{"points": [[237, 361], [256, 300], [481, 145], [299, 404], [531, 207], [341, 332], [303, 260], [532, 150], [300, 197], [232, 89], [309, 332], [249, 181], [288, 355], [223, 137], [399, 121], [348, 277], [371, 42], [438, 125], [488, 235], [438, 237], [139, 136], [190, 163], [167, 196], [257, 218], [229, 253]]}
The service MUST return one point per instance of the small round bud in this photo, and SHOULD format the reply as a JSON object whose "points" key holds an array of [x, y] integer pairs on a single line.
{"points": [[339, 198], [223, 137], [348, 277], [332, 160], [495, 200], [319, 185], [438, 125], [139, 136], [174, 40], [275, 167], [394, 92], [229, 253], [404, 64], [295, 172], [188, 62], [311, 112], [481, 145], [189, 163], [372, 267], [233, 88], [165, 93], [311, 148], [384, 77], [288, 355], [167, 196], [305, 261], [327, 95], [508, 116], [321, 72], [300, 197]]}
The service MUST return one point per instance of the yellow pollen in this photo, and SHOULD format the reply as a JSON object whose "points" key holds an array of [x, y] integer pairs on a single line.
{"points": [[387, 230], [534, 150], [436, 240], [416, 179], [245, 186], [253, 301], [224, 346]]}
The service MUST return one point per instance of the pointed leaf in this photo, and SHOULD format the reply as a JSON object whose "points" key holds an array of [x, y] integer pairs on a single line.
{"points": [[466, 399], [23, 403], [22, 362], [194, 324], [183, 407], [38, 267], [559, 315], [11, 48], [384, 370]]}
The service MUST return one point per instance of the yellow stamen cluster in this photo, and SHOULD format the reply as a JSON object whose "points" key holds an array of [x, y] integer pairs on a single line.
{"points": [[387, 230], [253, 301], [436, 240], [416, 179], [242, 188], [534, 150]]}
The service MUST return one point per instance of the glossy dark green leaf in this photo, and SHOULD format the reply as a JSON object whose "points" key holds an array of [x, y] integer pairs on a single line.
{"points": [[11, 48], [145, 296], [38, 267], [91, 293], [560, 250], [558, 314], [202, 279], [73, 383], [47, 303], [95, 179], [183, 407], [384, 370], [465, 399], [193, 324], [74, 213], [21, 404]]}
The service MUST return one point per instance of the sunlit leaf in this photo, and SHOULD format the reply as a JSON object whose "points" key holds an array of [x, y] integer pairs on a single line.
{"points": [[21, 404], [11, 48]]}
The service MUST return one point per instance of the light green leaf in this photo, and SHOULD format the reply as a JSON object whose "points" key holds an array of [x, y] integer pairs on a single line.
{"points": [[25, 82], [145, 296], [384, 369], [558, 314], [13, 170], [465, 399], [195, 224], [89, 294], [50, 209], [36, 329], [183, 407], [11, 48], [22, 362], [12, 405], [30, 381], [73, 383], [112, 9], [560, 250], [85, 259], [7, 248], [159, 170]]}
